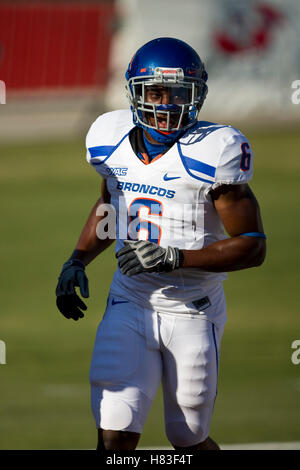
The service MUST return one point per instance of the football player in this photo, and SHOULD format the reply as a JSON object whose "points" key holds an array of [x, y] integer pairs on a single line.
{"points": [[175, 185]]}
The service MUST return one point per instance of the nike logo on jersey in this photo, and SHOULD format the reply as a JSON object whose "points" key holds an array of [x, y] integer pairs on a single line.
{"points": [[168, 178], [115, 302]]}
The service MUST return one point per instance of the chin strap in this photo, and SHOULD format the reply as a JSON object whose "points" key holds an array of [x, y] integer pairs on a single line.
{"points": [[164, 138]]}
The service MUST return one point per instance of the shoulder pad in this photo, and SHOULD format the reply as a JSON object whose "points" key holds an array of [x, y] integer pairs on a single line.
{"points": [[106, 133], [216, 154]]}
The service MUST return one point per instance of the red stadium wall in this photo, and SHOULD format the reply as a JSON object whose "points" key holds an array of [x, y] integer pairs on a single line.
{"points": [[51, 45]]}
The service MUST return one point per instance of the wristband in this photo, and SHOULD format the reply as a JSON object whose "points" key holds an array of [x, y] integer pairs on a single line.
{"points": [[254, 234], [180, 258], [74, 262]]}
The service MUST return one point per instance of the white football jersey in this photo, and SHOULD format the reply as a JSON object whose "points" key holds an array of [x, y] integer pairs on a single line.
{"points": [[168, 201]]}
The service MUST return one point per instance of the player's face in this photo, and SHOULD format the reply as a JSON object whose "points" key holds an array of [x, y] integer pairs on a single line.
{"points": [[166, 95], [156, 94]]}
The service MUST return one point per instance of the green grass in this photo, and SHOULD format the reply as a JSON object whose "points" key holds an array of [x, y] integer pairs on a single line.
{"points": [[47, 190]]}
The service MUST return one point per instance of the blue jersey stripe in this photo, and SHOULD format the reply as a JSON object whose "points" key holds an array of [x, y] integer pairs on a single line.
{"points": [[104, 151], [101, 150], [200, 166], [194, 165]]}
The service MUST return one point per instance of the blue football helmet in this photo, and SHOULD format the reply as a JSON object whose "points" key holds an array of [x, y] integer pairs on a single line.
{"points": [[166, 85]]}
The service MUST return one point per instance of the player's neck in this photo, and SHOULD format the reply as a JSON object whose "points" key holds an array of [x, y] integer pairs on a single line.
{"points": [[151, 139]]}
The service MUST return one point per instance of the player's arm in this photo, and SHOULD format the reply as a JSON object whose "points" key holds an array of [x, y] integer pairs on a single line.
{"points": [[89, 246], [239, 212], [73, 271]]}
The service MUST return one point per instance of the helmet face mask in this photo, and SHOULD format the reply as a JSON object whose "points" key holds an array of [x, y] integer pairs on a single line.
{"points": [[163, 97]]}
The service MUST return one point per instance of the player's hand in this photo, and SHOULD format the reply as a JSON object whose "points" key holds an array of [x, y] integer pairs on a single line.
{"points": [[143, 256], [70, 306], [67, 301]]}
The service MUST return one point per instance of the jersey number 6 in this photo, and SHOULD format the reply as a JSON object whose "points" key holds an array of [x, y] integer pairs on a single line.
{"points": [[139, 228], [246, 157]]}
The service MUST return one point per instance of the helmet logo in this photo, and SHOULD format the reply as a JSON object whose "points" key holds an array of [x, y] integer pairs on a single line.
{"points": [[168, 74]]}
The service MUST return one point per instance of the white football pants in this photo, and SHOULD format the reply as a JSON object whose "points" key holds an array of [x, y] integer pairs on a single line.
{"points": [[136, 349]]}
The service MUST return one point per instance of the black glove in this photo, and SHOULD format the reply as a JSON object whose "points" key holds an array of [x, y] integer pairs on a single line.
{"points": [[142, 256], [67, 301]]}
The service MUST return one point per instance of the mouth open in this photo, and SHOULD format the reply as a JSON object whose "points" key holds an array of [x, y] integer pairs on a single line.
{"points": [[163, 121]]}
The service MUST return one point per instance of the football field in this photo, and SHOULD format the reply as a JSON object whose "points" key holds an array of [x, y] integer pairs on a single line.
{"points": [[47, 190]]}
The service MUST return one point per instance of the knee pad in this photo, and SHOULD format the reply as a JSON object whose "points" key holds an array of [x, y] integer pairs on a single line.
{"points": [[119, 409], [115, 414]]}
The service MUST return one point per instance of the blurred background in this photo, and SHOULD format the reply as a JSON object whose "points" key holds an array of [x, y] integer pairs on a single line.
{"points": [[63, 64]]}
